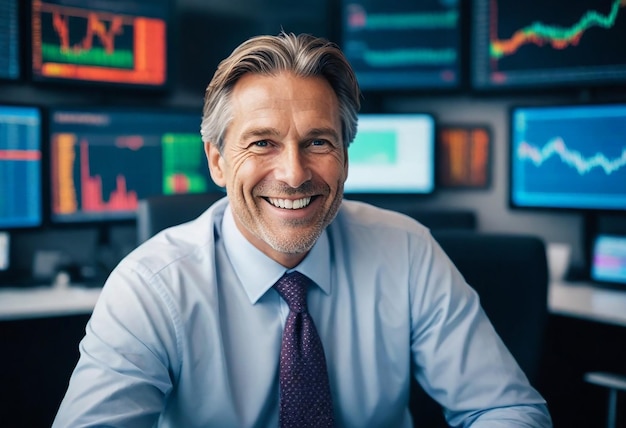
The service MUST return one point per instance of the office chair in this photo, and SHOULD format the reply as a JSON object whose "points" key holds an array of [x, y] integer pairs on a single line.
{"points": [[614, 383], [448, 218], [510, 274], [159, 212]]}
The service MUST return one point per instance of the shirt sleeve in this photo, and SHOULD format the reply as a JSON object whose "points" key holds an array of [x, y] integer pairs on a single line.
{"points": [[458, 358], [123, 374]]}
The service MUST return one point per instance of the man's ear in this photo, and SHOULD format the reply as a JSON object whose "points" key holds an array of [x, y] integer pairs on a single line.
{"points": [[215, 161]]}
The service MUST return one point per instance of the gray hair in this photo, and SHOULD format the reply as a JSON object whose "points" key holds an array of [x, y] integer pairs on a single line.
{"points": [[304, 55]]}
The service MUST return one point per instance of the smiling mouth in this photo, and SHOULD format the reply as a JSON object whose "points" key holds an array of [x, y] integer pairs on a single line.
{"points": [[290, 204]]}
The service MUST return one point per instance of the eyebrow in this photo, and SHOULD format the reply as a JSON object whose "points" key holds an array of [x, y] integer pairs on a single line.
{"points": [[272, 132], [318, 132], [260, 132]]}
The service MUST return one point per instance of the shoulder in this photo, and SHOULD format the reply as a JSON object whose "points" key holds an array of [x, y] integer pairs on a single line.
{"points": [[361, 215], [361, 228], [184, 244]]}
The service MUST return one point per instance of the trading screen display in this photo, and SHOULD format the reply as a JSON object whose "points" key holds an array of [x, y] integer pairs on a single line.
{"points": [[20, 167], [555, 43], [463, 156], [104, 161], [569, 157], [9, 40], [119, 42], [403, 44], [609, 258], [392, 153]]}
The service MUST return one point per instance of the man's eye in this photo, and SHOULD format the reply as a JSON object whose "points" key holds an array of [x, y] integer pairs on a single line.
{"points": [[261, 143], [319, 142]]}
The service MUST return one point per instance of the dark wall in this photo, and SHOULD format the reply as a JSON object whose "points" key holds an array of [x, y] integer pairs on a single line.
{"points": [[206, 31]]}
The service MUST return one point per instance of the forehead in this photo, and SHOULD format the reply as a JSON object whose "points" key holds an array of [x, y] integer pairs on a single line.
{"points": [[256, 94]]}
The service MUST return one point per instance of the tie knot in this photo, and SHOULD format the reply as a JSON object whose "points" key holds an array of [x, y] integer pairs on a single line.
{"points": [[292, 288]]}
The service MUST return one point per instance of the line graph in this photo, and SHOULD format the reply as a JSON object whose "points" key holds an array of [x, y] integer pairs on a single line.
{"points": [[87, 38], [117, 45], [402, 44], [571, 158], [358, 18], [559, 43], [539, 33], [387, 58], [96, 27]]}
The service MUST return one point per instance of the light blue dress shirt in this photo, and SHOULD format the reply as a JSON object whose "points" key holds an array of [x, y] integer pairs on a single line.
{"points": [[187, 332]]}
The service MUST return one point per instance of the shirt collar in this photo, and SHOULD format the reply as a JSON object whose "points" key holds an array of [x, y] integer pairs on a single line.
{"points": [[258, 273]]}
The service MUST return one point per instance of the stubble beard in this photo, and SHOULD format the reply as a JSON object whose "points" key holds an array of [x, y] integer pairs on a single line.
{"points": [[297, 236]]}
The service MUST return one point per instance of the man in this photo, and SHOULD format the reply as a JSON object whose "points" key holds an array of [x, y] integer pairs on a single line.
{"points": [[188, 331]]}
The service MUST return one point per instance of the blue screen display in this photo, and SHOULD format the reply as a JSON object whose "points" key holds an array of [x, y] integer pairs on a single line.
{"points": [[392, 153], [569, 157], [609, 259], [20, 167], [9, 40], [403, 44]]}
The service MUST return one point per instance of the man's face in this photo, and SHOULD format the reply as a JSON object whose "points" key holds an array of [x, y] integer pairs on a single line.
{"points": [[283, 162]]}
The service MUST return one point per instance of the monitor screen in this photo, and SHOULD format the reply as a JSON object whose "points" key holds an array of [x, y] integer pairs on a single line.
{"points": [[609, 258], [9, 40], [556, 43], [112, 42], [104, 160], [392, 153], [20, 167], [569, 157], [403, 44]]}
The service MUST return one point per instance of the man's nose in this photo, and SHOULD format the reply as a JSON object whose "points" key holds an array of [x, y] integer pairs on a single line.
{"points": [[293, 168]]}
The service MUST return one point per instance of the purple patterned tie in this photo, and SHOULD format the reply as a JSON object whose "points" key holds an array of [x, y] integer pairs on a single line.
{"points": [[305, 399]]}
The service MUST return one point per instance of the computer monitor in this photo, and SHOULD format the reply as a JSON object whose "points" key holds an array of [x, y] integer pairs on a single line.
{"points": [[113, 43], [20, 167], [403, 44], [568, 157], [540, 44], [103, 160], [10, 27], [608, 264], [392, 154]]}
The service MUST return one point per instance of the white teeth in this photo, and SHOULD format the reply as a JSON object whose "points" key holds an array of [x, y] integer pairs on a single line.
{"points": [[290, 204]]}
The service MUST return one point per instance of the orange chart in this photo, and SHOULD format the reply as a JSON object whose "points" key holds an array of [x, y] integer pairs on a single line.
{"points": [[89, 45], [463, 156]]}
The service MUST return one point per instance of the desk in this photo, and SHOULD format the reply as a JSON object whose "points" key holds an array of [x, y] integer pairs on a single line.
{"points": [[586, 301], [577, 299], [39, 302]]}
